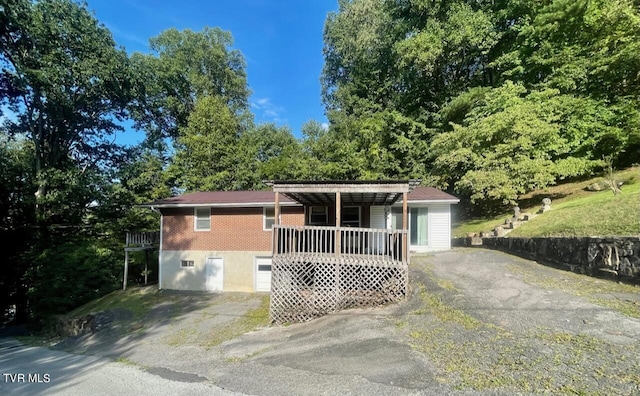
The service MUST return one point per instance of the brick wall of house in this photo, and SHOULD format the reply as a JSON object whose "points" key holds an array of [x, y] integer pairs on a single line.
{"points": [[232, 229]]}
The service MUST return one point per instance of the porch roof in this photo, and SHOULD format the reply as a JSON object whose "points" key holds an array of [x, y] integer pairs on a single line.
{"points": [[220, 199], [323, 192], [267, 198]]}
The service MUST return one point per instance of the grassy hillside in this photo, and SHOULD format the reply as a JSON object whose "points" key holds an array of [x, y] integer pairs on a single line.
{"points": [[575, 211], [137, 300]]}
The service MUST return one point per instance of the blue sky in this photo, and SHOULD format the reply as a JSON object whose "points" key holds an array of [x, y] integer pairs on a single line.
{"points": [[281, 41]]}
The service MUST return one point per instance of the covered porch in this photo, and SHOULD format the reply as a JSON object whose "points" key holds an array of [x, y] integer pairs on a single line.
{"points": [[332, 262]]}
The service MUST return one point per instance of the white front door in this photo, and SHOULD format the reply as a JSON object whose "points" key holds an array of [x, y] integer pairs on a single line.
{"points": [[263, 274], [214, 274]]}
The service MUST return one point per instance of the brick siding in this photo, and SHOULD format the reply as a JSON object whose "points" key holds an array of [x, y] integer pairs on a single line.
{"points": [[232, 229]]}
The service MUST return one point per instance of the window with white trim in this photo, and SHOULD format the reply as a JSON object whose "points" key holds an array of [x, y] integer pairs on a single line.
{"points": [[187, 264], [318, 215], [202, 219], [350, 216], [268, 218]]}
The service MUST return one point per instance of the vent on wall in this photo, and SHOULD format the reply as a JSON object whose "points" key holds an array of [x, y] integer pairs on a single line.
{"points": [[186, 263]]}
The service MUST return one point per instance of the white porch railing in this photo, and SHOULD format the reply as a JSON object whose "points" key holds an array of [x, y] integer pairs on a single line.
{"points": [[318, 240], [141, 239]]}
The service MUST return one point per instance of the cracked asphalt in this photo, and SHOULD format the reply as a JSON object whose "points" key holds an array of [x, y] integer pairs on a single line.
{"points": [[476, 322]]}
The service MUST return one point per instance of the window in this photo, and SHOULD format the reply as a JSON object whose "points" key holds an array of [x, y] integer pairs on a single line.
{"points": [[418, 229], [318, 215], [186, 264], [202, 218], [351, 216], [268, 218]]}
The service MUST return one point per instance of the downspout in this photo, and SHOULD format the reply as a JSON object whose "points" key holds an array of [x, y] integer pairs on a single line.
{"points": [[160, 248], [160, 263]]}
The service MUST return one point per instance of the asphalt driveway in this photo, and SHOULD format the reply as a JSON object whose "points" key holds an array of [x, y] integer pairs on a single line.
{"points": [[476, 322]]}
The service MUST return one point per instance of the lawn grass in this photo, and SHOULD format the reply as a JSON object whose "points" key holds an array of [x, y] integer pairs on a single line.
{"points": [[575, 211], [138, 300], [598, 214], [478, 225]]}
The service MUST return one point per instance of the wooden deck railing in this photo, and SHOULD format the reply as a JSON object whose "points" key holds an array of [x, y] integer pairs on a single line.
{"points": [[141, 239], [317, 240]]}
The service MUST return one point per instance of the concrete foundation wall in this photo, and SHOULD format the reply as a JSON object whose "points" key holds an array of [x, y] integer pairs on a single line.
{"points": [[588, 255], [238, 269]]}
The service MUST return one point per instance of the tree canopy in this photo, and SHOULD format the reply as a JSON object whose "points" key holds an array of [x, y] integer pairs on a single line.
{"points": [[65, 88], [488, 99]]}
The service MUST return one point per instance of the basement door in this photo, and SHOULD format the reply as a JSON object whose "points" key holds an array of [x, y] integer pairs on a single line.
{"points": [[263, 274], [214, 274]]}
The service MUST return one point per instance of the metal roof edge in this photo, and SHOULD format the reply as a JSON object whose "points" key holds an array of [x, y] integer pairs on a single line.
{"points": [[410, 201], [218, 205]]}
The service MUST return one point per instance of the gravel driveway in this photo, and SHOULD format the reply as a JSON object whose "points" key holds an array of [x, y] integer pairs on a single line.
{"points": [[476, 322]]}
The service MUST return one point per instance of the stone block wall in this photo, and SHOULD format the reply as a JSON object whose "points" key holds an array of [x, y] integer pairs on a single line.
{"points": [[587, 255]]}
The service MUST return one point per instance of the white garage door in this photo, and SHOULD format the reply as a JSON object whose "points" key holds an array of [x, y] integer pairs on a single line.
{"points": [[263, 274]]}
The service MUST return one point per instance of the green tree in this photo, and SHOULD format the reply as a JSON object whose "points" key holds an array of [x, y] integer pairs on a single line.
{"points": [[205, 154], [330, 153], [267, 152], [184, 67], [16, 216], [512, 141], [65, 87], [413, 87], [586, 47], [72, 86], [389, 69]]}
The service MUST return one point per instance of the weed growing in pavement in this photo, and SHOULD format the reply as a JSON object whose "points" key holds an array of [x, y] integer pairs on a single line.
{"points": [[181, 337], [434, 305], [239, 359], [597, 291], [126, 361], [251, 320]]}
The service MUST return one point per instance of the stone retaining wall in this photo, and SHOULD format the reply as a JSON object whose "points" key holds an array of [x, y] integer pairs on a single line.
{"points": [[587, 255]]}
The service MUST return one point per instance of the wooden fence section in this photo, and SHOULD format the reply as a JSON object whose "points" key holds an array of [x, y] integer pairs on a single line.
{"points": [[309, 279]]}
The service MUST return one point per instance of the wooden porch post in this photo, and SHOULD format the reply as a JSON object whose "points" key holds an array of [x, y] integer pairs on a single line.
{"points": [[338, 248], [405, 226], [276, 221], [276, 211], [338, 222]]}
